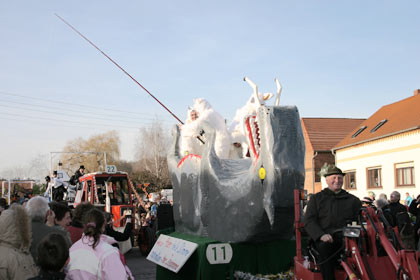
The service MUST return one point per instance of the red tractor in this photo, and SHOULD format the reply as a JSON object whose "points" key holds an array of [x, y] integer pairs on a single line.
{"points": [[110, 191], [372, 250]]}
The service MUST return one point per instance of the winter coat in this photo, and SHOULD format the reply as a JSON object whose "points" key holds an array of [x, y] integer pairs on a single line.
{"points": [[49, 275], [75, 178], [15, 239], [40, 230], [103, 262], [328, 211], [396, 208], [75, 233]]}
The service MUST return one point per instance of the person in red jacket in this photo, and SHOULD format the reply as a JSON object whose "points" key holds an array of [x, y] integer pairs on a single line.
{"points": [[76, 227]]}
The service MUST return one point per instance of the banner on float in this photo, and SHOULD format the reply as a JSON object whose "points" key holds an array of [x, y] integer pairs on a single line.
{"points": [[171, 253]]}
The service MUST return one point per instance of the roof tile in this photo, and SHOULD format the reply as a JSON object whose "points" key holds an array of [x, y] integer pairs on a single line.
{"points": [[400, 116], [325, 133]]}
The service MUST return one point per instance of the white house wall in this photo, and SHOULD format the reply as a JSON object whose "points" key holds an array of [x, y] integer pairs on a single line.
{"points": [[384, 153]]}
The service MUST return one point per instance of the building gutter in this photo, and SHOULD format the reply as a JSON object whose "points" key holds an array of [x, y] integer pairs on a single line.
{"points": [[313, 172]]}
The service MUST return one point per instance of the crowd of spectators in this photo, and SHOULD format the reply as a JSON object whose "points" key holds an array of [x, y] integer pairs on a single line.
{"points": [[403, 213], [42, 240]]}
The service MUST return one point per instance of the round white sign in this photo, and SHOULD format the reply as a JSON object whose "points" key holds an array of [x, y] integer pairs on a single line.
{"points": [[219, 253]]}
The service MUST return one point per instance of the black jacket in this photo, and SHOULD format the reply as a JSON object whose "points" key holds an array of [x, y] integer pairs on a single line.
{"points": [[413, 208], [396, 208], [327, 212], [119, 236], [75, 178]]}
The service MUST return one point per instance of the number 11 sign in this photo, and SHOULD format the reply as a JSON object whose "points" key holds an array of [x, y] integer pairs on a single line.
{"points": [[219, 253]]}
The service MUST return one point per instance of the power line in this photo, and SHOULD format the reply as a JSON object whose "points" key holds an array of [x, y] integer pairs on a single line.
{"points": [[77, 111], [72, 104], [43, 122], [63, 113], [58, 120]]}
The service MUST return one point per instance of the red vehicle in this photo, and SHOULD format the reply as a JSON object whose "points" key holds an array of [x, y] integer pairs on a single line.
{"points": [[372, 250], [110, 191]]}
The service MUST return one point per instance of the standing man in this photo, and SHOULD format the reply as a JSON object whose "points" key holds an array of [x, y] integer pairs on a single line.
{"points": [[48, 188], [74, 180], [58, 188], [395, 206], [39, 213], [328, 211]]}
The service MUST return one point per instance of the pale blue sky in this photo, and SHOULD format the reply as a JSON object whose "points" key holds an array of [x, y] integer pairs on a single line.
{"points": [[334, 59]]}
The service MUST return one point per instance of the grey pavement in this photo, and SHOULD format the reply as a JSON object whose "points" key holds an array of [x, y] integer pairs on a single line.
{"points": [[140, 267]]}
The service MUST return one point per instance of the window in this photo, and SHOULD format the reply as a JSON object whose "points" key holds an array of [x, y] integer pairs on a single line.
{"points": [[374, 179], [359, 131], [381, 123], [350, 180], [118, 189], [404, 174]]}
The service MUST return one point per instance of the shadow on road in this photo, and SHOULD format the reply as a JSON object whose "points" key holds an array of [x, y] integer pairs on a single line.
{"points": [[141, 268]]}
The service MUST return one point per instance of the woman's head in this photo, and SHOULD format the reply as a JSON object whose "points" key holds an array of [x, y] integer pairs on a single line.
{"points": [[53, 252], [79, 212], [15, 227], [94, 222]]}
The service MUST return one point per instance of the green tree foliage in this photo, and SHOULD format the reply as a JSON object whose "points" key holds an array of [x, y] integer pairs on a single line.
{"points": [[38, 189]]}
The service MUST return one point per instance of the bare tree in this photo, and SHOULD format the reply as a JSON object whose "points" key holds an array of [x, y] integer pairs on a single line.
{"points": [[151, 151], [76, 149], [39, 166], [14, 172], [36, 169]]}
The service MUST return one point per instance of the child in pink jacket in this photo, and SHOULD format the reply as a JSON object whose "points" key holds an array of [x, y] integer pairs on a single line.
{"points": [[93, 256]]}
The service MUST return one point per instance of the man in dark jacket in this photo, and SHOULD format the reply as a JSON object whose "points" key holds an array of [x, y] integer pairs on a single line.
{"points": [[74, 180], [415, 210], [395, 206], [328, 211]]}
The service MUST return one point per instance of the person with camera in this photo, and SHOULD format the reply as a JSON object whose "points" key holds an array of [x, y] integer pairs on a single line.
{"points": [[119, 236]]}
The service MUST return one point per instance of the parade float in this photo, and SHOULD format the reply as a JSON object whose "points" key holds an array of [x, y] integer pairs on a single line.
{"points": [[240, 211]]}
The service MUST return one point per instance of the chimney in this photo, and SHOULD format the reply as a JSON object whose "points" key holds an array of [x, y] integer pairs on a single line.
{"points": [[416, 92]]}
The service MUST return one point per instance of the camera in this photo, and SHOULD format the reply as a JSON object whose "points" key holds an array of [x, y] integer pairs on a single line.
{"points": [[127, 213]]}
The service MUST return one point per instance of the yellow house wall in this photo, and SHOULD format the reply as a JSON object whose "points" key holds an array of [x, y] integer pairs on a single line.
{"points": [[385, 153]]}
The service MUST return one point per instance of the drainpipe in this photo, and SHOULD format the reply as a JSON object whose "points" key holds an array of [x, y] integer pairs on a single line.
{"points": [[313, 172]]}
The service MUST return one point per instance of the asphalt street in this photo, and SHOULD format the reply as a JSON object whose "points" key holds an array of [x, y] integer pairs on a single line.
{"points": [[140, 267]]}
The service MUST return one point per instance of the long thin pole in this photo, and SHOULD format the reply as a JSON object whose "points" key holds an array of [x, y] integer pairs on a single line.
{"points": [[116, 64]]}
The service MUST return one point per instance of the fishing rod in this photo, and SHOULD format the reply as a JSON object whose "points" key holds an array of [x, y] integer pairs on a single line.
{"points": [[122, 69]]}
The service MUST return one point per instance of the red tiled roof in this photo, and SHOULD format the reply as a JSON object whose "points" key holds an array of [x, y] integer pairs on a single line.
{"points": [[400, 116], [325, 133]]}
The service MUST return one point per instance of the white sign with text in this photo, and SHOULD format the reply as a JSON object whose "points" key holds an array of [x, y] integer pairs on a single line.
{"points": [[171, 252]]}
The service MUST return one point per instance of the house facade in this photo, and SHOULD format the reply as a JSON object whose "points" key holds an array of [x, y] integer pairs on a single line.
{"points": [[321, 135], [383, 153]]}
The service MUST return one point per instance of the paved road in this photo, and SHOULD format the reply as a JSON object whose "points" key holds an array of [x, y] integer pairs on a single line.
{"points": [[141, 268]]}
